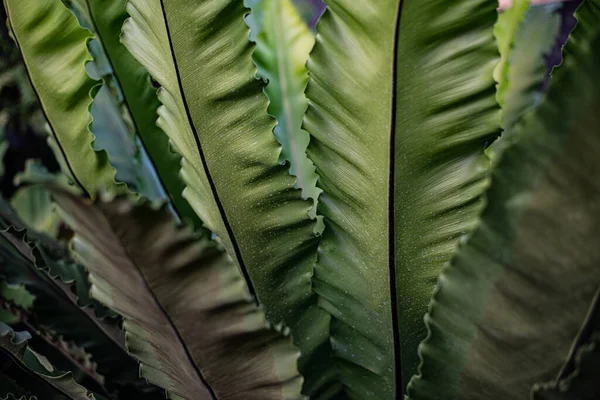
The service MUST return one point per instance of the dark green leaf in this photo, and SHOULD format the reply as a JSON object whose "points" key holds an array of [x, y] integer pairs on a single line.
{"points": [[53, 280], [401, 107], [214, 111], [139, 98], [510, 305], [33, 372]]}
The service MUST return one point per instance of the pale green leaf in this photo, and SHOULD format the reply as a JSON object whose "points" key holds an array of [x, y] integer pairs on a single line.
{"points": [[34, 205], [283, 44], [522, 88], [54, 50], [505, 31]]}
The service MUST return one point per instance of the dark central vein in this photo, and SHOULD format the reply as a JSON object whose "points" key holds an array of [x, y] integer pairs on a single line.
{"points": [[391, 214], [158, 304], [128, 107], [39, 99], [236, 248]]}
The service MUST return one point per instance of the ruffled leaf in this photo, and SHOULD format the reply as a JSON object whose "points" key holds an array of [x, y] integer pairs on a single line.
{"points": [[54, 50], [32, 372], [510, 305], [189, 317], [401, 107]]}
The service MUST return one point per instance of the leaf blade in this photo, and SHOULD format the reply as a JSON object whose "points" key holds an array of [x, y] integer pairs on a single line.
{"points": [[399, 153], [284, 42], [275, 248], [151, 271], [518, 255], [63, 87], [13, 345], [140, 99]]}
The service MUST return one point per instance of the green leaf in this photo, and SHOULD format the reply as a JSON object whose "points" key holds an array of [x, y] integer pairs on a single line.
{"points": [[115, 137], [283, 44], [62, 304], [185, 303], [54, 50], [33, 372], [36, 173], [63, 354], [509, 306], [505, 31], [139, 98], [401, 106], [522, 88], [577, 379], [34, 206], [214, 112], [17, 294], [13, 294]]}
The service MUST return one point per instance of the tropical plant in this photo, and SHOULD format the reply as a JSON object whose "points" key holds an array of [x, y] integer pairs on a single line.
{"points": [[397, 207]]}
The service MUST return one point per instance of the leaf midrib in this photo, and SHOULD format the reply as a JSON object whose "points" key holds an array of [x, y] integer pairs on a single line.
{"points": [[158, 304], [229, 229], [42, 106], [399, 388]]}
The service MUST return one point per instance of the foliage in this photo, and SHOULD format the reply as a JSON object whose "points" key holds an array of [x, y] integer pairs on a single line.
{"points": [[397, 207]]}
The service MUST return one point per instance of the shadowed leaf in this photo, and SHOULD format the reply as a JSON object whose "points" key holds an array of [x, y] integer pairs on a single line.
{"points": [[511, 303], [189, 317], [32, 372]]}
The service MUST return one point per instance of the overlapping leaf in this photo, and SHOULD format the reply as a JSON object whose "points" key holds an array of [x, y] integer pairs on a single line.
{"points": [[524, 68], [138, 96], [54, 50], [512, 302], [62, 302], [505, 32], [189, 317], [31, 372], [214, 112], [283, 43]]}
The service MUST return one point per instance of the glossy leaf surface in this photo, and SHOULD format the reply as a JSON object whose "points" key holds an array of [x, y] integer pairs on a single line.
{"points": [[401, 106], [53, 46], [214, 112]]}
